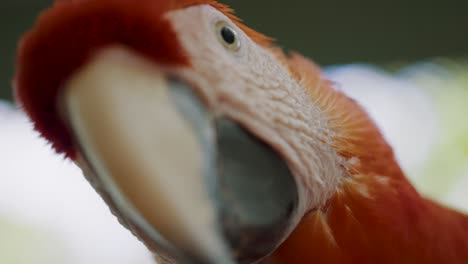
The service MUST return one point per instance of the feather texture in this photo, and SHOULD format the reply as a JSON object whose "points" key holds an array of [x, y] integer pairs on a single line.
{"points": [[375, 215]]}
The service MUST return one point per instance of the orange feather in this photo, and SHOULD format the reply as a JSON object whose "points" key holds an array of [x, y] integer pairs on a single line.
{"points": [[375, 216]]}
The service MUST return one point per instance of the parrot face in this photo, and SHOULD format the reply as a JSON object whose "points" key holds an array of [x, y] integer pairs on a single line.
{"points": [[190, 125], [212, 146]]}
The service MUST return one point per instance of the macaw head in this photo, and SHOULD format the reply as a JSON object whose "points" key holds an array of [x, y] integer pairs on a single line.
{"points": [[204, 139]]}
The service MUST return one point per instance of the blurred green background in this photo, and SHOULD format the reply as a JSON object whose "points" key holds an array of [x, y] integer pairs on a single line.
{"points": [[329, 31]]}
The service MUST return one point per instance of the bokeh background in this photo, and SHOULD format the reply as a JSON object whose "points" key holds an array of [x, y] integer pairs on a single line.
{"points": [[330, 31], [405, 61]]}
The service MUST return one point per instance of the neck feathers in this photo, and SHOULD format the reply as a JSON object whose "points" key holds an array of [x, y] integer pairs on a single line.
{"points": [[354, 135], [375, 215], [374, 219]]}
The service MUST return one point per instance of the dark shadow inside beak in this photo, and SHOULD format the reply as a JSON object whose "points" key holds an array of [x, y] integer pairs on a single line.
{"points": [[250, 183]]}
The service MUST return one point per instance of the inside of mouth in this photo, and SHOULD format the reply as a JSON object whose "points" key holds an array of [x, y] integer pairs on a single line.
{"points": [[248, 181]]}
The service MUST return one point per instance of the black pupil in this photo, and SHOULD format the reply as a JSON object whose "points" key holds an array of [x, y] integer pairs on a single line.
{"points": [[228, 35]]}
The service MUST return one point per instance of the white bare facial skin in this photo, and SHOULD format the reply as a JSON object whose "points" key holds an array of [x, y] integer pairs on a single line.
{"points": [[252, 86], [143, 151]]}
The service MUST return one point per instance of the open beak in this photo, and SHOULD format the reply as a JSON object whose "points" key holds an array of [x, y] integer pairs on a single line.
{"points": [[199, 186]]}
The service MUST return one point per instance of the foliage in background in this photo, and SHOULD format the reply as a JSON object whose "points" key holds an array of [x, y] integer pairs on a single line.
{"points": [[447, 82]]}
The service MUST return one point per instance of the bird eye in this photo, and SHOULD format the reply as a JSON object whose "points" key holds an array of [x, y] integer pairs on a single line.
{"points": [[228, 36]]}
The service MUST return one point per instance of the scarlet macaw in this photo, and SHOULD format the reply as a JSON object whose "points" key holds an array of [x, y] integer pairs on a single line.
{"points": [[213, 146]]}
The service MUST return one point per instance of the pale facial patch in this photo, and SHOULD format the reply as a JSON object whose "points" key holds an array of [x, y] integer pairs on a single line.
{"points": [[253, 87]]}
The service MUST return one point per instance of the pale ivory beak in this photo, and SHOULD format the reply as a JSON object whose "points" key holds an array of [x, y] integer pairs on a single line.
{"points": [[146, 155]]}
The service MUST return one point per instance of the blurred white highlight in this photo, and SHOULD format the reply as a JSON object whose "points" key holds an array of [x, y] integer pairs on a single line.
{"points": [[405, 114], [43, 192]]}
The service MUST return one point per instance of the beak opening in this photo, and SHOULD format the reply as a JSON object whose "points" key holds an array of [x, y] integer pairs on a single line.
{"points": [[200, 186]]}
